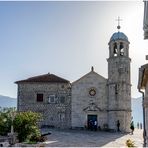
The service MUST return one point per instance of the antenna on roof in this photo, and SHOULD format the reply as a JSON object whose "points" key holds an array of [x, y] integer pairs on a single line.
{"points": [[118, 27]]}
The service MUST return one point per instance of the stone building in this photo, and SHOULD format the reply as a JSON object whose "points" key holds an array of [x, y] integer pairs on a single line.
{"points": [[143, 80], [143, 88], [90, 98], [49, 95], [105, 100], [145, 20]]}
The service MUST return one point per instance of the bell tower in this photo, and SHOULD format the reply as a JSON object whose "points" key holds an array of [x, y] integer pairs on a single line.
{"points": [[119, 83]]}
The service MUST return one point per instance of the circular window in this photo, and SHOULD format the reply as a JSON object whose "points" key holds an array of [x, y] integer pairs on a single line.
{"points": [[92, 92]]}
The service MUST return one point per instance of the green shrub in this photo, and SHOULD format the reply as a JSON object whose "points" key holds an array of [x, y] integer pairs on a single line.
{"points": [[130, 143], [25, 124]]}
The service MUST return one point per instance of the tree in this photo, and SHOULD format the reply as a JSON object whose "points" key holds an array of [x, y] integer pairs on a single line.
{"points": [[5, 120], [25, 124]]}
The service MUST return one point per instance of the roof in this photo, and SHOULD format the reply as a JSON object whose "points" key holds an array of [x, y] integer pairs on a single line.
{"points": [[92, 71], [45, 78], [119, 35]]}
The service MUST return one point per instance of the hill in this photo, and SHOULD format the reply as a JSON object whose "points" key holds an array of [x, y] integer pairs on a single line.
{"points": [[6, 101], [137, 112]]}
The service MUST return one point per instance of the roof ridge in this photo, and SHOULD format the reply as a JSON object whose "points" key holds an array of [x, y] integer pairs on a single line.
{"points": [[37, 76], [86, 75], [45, 78]]}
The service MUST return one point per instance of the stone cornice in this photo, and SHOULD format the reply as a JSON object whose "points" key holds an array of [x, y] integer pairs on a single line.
{"points": [[125, 57], [143, 76], [119, 82], [125, 110]]}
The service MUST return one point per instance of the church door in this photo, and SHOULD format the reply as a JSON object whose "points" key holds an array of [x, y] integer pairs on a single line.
{"points": [[90, 120]]}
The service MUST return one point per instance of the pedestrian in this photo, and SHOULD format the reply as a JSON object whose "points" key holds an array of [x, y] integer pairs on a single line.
{"points": [[91, 125], [95, 125], [138, 125], [118, 126], [132, 127]]}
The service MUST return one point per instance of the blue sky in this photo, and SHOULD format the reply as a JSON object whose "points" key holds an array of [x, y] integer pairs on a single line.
{"points": [[65, 38]]}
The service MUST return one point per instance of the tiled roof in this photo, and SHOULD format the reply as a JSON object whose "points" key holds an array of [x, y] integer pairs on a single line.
{"points": [[45, 78]]}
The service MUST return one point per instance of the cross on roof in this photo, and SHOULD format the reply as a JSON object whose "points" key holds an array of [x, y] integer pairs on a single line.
{"points": [[118, 27]]}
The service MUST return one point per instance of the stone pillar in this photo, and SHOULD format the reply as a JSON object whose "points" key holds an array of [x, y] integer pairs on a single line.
{"points": [[145, 104]]}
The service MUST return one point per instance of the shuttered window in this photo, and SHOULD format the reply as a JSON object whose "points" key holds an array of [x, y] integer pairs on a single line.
{"points": [[39, 97]]}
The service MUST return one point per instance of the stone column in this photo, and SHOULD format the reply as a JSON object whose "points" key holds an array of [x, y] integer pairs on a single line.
{"points": [[145, 104]]}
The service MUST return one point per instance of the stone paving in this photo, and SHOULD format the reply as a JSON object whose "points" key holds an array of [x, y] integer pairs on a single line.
{"points": [[83, 138]]}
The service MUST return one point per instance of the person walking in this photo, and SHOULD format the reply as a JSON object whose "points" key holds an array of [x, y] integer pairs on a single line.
{"points": [[132, 127], [118, 126], [138, 125]]}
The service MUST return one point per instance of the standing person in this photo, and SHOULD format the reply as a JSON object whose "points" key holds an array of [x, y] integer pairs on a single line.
{"points": [[132, 127], [91, 125], [118, 126], [138, 125], [95, 125]]}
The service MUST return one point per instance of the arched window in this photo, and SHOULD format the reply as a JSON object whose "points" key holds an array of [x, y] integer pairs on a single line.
{"points": [[61, 116], [115, 49], [121, 49]]}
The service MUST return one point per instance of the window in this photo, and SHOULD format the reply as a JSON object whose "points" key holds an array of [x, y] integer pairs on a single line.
{"points": [[61, 116], [116, 89], [92, 92], [52, 99], [51, 118], [39, 97], [62, 99], [115, 49], [121, 49], [121, 70]]}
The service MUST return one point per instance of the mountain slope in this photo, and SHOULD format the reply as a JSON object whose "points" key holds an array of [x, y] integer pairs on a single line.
{"points": [[137, 112], [7, 101]]}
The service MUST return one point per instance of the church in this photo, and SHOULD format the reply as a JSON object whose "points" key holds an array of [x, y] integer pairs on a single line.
{"points": [[90, 98]]}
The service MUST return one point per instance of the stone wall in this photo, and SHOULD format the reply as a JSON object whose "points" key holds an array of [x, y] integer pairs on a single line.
{"points": [[124, 120], [146, 112], [57, 114]]}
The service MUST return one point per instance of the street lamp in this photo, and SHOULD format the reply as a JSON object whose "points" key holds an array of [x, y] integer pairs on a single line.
{"points": [[12, 135]]}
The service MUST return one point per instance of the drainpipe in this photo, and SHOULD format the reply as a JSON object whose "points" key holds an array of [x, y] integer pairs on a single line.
{"points": [[144, 130]]}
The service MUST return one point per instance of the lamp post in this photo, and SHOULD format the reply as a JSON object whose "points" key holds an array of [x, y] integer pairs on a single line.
{"points": [[12, 135]]}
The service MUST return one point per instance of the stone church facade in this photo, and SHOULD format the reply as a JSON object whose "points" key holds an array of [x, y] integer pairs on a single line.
{"points": [[89, 100], [92, 97]]}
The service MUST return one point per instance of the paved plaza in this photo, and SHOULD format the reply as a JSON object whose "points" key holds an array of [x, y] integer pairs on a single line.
{"points": [[83, 138]]}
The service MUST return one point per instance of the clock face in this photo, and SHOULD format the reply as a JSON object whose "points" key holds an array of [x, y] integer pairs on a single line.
{"points": [[92, 92]]}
